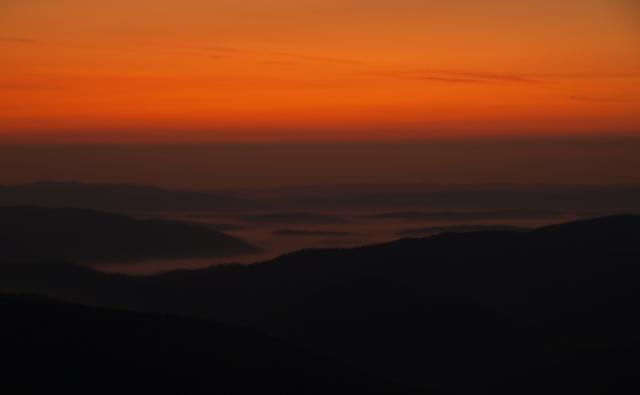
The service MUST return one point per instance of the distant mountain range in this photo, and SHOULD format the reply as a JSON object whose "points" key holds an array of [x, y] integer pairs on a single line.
{"points": [[125, 198], [466, 215], [458, 197], [128, 198], [57, 348], [552, 310], [35, 234]]}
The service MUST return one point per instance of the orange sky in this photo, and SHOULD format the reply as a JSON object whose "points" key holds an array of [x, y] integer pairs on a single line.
{"points": [[221, 70]]}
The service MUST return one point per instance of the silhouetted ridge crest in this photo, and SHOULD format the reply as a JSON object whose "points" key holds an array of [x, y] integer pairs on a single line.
{"points": [[622, 224], [118, 197], [30, 233]]}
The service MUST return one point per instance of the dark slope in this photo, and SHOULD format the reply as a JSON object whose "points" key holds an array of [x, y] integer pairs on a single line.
{"points": [[117, 197], [553, 310], [51, 347], [35, 233], [434, 230]]}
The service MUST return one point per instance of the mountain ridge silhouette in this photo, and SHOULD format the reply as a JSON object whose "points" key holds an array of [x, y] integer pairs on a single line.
{"points": [[551, 310], [31, 233], [126, 198]]}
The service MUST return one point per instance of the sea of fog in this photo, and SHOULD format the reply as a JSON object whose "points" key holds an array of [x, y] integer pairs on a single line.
{"points": [[280, 233]]}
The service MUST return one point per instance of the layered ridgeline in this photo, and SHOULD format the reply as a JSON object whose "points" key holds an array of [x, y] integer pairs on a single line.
{"points": [[30, 234], [57, 348], [552, 310], [118, 197], [448, 202]]}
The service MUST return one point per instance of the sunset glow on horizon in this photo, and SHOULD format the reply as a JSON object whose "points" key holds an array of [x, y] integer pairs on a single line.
{"points": [[277, 70]]}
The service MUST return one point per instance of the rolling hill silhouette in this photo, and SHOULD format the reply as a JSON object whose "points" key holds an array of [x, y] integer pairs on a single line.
{"points": [[51, 347], [433, 230], [36, 233], [551, 310], [543, 201]]}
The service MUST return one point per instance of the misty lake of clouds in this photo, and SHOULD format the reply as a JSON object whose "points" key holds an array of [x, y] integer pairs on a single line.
{"points": [[298, 231]]}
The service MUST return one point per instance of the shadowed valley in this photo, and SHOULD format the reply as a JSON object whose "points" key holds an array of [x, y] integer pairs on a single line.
{"points": [[550, 310]]}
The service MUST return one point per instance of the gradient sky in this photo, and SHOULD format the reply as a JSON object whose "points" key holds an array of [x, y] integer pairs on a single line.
{"points": [[255, 70]]}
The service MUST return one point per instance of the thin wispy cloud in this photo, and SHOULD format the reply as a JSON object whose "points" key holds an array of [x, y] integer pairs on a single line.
{"points": [[592, 75], [496, 77], [314, 58], [450, 80], [228, 50], [459, 77], [275, 55], [18, 40], [30, 86], [483, 77], [605, 99]]}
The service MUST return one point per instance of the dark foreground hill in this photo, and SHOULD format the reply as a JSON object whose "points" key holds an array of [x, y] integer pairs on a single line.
{"points": [[552, 310], [35, 233], [55, 348]]}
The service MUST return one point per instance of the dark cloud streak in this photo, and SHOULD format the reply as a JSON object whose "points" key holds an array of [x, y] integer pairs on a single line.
{"points": [[459, 77], [18, 40], [605, 99], [280, 55], [482, 77]]}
